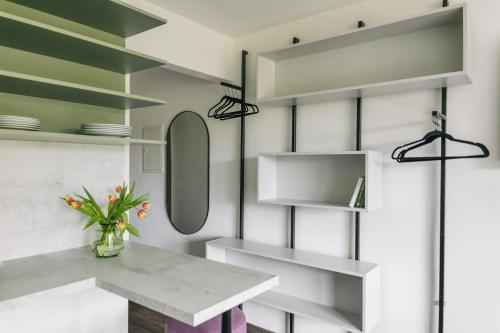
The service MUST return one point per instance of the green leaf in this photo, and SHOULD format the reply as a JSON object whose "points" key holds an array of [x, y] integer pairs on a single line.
{"points": [[94, 203], [90, 222], [133, 230]]}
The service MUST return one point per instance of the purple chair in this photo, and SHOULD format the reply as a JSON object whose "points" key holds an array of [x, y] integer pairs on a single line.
{"points": [[213, 325]]}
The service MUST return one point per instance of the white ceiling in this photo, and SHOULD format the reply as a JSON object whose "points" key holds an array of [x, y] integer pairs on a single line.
{"points": [[238, 17]]}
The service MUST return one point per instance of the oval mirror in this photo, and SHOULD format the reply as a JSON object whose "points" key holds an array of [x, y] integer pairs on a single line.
{"points": [[188, 172]]}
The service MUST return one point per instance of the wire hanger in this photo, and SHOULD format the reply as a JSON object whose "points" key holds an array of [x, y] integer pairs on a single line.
{"points": [[231, 98], [399, 154]]}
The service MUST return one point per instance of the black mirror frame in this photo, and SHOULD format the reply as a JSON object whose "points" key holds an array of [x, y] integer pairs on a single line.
{"points": [[168, 174]]}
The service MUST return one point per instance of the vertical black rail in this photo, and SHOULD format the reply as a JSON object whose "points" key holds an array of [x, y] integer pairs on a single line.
{"points": [[226, 326], [244, 54], [357, 215], [291, 316], [294, 149], [442, 204], [241, 230], [442, 210]]}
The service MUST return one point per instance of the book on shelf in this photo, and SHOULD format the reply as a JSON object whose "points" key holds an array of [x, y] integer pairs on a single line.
{"points": [[356, 195], [360, 201]]}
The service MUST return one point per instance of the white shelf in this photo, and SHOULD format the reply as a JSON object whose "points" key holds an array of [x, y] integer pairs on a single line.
{"points": [[21, 135], [298, 257], [365, 277], [342, 319], [194, 73], [419, 52], [311, 204], [320, 180]]}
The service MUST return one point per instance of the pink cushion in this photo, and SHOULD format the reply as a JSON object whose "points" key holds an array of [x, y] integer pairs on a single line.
{"points": [[213, 325]]}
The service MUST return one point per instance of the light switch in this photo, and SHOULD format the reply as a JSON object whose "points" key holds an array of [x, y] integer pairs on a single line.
{"points": [[153, 156]]}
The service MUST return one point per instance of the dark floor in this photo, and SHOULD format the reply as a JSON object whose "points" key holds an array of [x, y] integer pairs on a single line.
{"points": [[143, 320]]}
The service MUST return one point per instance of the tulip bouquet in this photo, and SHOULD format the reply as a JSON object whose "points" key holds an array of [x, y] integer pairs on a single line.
{"points": [[115, 222]]}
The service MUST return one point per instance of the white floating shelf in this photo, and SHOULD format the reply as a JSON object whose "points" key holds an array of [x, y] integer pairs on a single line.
{"points": [[364, 276], [21, 135], [194, 73], [320, 180], [311, 310], [420, 52], [297, 257]]}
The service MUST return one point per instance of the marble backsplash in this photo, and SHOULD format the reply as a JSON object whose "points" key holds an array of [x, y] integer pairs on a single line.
{"points": [[33, 176]]}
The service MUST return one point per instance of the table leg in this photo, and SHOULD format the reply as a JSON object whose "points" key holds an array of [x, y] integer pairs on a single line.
{"points": [[226, 322]]}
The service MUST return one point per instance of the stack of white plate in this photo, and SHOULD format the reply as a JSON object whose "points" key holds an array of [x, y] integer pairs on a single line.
{"points": [[106, 129], [21, 123]]}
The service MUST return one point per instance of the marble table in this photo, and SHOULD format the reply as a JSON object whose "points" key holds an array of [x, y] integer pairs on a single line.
{"points": [[190, 289]]}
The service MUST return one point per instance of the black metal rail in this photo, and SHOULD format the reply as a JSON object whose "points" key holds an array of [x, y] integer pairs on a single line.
{"points": [[357, 215]]}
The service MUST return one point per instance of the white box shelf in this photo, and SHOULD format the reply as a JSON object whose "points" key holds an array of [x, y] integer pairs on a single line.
{"points": [[420, 52], [320, 180], [359, 278]]}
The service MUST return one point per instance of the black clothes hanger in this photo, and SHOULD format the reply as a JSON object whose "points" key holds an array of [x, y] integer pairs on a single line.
{"points": [[399, 154], [231, 98], [216, 106]]}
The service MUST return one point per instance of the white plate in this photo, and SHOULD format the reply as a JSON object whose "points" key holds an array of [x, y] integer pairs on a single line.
{"points": [[105, 133], [102, 134], [18, 122], [21, 128], [106, 130], [19, 118], [105, 125]]}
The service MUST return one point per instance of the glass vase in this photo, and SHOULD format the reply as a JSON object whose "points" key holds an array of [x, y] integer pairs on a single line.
{"points": [[109, 245]]}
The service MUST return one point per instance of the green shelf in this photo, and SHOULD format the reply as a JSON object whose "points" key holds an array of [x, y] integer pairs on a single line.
{"points": [[29, 85], [20, 135], [40, 38], [113, 16]]}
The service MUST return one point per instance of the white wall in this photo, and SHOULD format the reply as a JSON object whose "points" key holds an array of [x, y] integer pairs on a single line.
{"points": [[35, 175], [402, 237], [184, 93]]}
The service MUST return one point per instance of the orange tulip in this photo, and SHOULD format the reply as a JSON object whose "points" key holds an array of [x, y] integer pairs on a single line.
{"points": [[141, 213], [146, 205], [121, 225], [76, 204], [68, 199], [118, 189], [112, 199]]}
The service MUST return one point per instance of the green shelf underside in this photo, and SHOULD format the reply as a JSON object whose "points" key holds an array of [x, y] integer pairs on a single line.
{"points": [[112, 16], [21, 135], [35, 37], [29, 85]]}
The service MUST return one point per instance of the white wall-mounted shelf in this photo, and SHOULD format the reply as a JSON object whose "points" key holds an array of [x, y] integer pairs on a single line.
{"points": [[320, 180], [421, 52], [21, 135], [194, 73], [364, 276]]}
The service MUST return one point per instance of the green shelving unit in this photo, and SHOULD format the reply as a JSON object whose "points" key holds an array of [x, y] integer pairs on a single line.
{"points": [[32, 36], [29, 85], [113, 16], [20, 135]]}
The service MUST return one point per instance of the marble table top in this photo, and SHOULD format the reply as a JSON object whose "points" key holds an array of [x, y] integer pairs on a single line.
{"points": [[187, 288]]}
